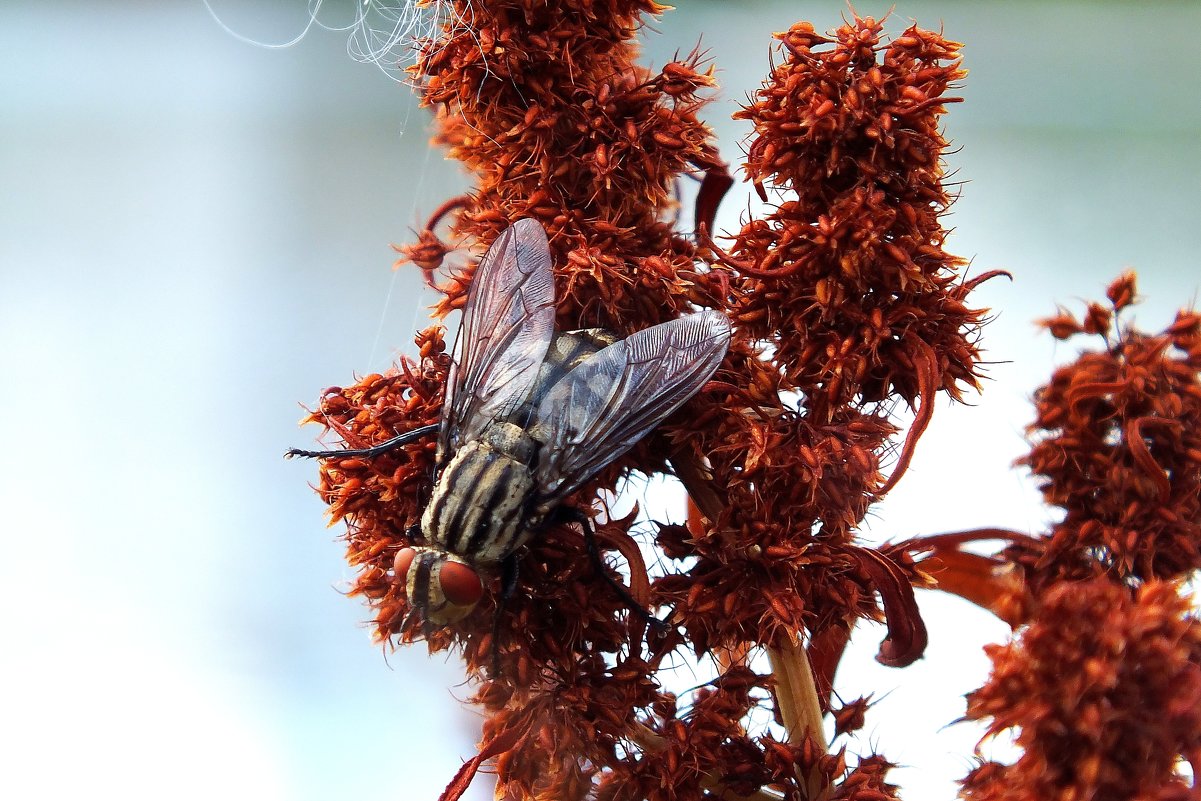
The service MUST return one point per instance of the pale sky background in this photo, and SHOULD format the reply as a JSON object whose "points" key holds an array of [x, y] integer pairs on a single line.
{"points": [[194, 239]]}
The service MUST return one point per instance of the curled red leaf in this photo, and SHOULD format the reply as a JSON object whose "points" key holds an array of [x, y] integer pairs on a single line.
{"points": [[907, 637]]}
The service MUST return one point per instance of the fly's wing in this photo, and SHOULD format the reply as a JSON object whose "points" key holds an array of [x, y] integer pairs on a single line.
{"points": [[603, 407], [508, 323]]}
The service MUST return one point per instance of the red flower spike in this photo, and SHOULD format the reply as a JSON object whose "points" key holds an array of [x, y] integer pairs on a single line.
{"points": [[1102, 689], [1103, 684], [842, 296], [868, 199], [1116, 446]]}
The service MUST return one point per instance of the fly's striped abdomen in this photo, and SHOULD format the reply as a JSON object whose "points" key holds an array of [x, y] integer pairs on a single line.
{"points": [[480, 503]]}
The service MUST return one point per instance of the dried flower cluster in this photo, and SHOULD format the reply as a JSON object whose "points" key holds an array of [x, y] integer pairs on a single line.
{"points": [[1103, 683], [847, 282], [1118, 448], [851, 284], [1104, 690], [545, 105], [845, 305]]}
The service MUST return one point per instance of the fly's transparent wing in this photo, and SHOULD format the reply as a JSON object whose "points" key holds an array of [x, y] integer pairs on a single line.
{"points": [[603, 407], [508, 323]]}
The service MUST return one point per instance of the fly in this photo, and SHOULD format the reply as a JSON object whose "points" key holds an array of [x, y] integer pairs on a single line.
{"points": [[530, 415]]}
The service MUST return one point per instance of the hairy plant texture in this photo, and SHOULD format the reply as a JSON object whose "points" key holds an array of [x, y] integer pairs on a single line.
{"points": [[861, 307], [1102, 683], [1117, 446], [1104, 691], [545, 105]]}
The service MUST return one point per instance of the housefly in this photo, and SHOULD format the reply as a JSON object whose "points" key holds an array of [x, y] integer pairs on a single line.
{"points": [[530, 415]]}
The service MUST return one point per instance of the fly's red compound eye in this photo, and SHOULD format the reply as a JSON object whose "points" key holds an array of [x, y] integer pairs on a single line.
{"points": [[404, 560], [460, 583]]}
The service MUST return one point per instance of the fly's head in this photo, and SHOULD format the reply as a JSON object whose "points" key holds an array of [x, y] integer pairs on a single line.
{"points": [[444, 587]]}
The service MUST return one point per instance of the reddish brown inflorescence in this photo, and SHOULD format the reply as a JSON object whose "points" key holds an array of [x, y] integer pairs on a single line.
{"points": [[850, 282], [545, 105], [843, 303], [1117, 446], [1102, 686], [846, 281], [1103, 691]]}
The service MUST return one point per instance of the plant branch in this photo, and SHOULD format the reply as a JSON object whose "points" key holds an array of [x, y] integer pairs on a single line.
{"points": [[796, 695]]}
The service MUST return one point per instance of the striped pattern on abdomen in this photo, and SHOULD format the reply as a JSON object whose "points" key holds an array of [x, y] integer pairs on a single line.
{"points": [[478, 510]]}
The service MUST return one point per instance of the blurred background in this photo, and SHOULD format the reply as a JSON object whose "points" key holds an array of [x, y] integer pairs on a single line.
{"points": [[194, 240]]}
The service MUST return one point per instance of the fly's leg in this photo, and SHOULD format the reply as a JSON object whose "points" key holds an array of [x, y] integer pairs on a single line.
{"points": [[508, 587], [565, 514], [508, 579], [374, 450]]}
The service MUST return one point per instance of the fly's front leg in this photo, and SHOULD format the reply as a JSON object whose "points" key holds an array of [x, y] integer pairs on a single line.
{"points": [[374, 450], [565, 514], [508, 586]]}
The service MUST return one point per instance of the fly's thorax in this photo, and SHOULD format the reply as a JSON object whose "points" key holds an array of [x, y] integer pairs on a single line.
{"points": [[481, 502], [568, 350], [509, 440], [443, 587]]}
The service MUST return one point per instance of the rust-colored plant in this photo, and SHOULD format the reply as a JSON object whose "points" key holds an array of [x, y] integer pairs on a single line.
{"points": [[1103, 684], [846, 308], [1104, 690]]}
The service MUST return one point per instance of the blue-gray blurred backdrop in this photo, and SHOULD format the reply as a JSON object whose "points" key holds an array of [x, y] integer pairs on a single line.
{"points": [[194, 239]]}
